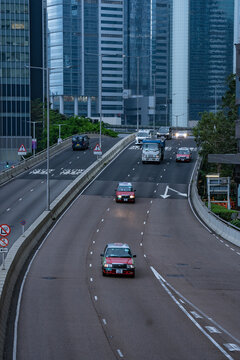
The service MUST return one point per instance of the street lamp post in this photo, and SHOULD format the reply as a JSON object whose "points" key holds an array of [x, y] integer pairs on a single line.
{"points": [[137, 92], [177, 116], [47, 73]]}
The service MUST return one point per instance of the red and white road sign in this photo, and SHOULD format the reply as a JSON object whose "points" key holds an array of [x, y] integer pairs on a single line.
{"points": [[3, 242], [22, 150], [5, 230], [97, 150]]}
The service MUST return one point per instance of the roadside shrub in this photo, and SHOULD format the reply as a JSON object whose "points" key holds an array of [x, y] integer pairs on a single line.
{"points": [[222, 212], [236, 222]]}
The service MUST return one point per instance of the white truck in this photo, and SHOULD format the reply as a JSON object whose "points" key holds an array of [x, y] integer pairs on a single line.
{"points": [[153, 150]]}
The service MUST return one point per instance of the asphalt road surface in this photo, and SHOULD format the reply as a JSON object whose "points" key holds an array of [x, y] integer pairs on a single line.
{"points": [[24, 198], [183, 303]]}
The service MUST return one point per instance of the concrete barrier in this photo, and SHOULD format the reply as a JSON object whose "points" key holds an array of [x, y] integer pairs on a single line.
{"points": [[214, 223], [21, 250]]}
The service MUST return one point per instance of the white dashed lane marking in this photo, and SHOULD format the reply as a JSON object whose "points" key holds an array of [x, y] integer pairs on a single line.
{"points": [[212, 330], [120, 353]]}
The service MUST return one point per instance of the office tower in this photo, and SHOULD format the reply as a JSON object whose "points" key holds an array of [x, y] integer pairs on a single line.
{"points": [[147, 61], [14, 78], [85, 45], [202, 56]]}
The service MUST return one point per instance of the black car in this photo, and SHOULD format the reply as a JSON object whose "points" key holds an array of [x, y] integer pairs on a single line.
{"points": [[165, 131], [80, 142]]}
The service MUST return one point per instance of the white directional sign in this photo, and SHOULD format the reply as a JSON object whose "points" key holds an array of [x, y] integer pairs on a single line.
{"points": [[4, 230], [97, 150], [3, 250], [22, 150], [165, 195]]}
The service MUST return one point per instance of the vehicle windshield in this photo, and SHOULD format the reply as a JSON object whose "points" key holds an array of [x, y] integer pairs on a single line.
{"points": [[77, 138], [118, 252], [142, 134], [125, 188], [183, 151], [152, 146], [164, 130]]}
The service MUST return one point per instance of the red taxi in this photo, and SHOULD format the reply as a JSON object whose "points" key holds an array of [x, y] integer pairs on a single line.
{"points": [[117, 259], [183, 154], [125, 192]]}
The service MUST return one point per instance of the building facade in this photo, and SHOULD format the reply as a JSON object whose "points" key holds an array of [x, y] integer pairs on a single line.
{"points": [[202, 56], [85, 46], [147, 60], [15, 127]]}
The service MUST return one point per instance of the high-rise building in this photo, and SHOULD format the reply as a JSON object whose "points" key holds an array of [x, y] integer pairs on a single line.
{"points": [[85, 46], [202, 56], [14, 78], [147, 56]]}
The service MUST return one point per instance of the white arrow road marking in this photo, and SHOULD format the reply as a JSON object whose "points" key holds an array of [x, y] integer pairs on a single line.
{"points": [[232, 347], [164, 196]]}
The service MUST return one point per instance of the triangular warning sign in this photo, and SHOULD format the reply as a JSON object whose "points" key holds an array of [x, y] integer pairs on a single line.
{"points": [[97, 148], [22, 149]]}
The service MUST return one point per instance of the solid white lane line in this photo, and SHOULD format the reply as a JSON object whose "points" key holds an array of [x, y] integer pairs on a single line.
{"points": [[163, 283], [120, 353]]}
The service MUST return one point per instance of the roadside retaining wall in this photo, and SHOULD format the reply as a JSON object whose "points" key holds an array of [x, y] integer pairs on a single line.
{"points": [[21, 250], [213, 222]]}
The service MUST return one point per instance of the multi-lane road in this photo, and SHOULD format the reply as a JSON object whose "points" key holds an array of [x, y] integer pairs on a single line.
{"points": [[184, 300], [24, 198]]}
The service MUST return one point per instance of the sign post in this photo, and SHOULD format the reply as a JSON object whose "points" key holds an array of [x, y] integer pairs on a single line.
{"points": [[23, 222], [3, 244]]}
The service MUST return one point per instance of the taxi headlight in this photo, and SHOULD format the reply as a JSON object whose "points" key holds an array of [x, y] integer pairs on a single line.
{"points": [[132, 196], [130, 266], [119, 196], [107, 265]]}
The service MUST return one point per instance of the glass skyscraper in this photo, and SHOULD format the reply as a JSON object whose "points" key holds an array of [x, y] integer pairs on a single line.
{"points": [[14, 78], [211, 29], [147, 49], [85, 46]]}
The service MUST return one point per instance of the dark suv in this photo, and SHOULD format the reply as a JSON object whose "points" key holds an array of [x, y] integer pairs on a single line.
{"points": [[80, 142]]}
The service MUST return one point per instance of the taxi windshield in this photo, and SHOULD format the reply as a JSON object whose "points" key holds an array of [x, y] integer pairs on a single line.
{"points": [[183, 151], [118, 252], [124, 188]]}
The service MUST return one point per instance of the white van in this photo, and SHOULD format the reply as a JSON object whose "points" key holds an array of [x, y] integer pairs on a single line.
{"points": [[142, 135]]}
